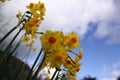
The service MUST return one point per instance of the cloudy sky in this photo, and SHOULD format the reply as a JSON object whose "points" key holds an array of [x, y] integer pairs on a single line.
{"points": [[97, 22]]}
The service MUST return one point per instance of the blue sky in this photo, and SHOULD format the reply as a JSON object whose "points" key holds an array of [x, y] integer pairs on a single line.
{"points": [[99, 58], [97, 23]]}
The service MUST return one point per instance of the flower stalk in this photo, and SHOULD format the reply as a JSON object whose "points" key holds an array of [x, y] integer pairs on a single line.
{"points": [[54, 74], [33, 66], [40, 66], [5, 36]]}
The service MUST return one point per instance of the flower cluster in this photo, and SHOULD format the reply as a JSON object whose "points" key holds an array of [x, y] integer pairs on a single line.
{"points": [[35, 16], [57, 45], [55, 40]]}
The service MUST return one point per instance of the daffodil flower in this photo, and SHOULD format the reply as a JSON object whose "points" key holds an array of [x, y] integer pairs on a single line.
{"points": [[72, 41], [51, 40]]}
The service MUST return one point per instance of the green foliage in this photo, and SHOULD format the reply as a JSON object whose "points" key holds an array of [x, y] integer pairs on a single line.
{"points": [[13, 69]]}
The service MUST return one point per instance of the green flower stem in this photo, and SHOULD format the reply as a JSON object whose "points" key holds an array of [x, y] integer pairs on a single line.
{"points": [[6, 56], [21, 21], [39, 68], [57, 77], [71, 59], [16, 47], [54, 74], [8, 47], [20, 66], [72, 52], [39, 32], [10, 32], [34, 64]]}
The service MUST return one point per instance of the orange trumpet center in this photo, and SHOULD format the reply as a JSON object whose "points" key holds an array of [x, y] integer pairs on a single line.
{"points": [[52, 39], [59, 58], [80, 56], [31, 5], [74, 39]]}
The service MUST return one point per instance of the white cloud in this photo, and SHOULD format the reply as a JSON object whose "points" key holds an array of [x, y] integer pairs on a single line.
{"points": [[113, 78], [111, 72], [106, 69], [116, 65], [110, 27], [75, 15], [115, 73], [112, 32]]}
